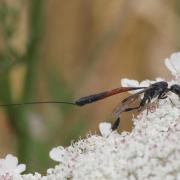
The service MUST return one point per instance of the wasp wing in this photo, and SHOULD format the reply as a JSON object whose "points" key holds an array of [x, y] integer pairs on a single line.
{"points": [[124, 105]]}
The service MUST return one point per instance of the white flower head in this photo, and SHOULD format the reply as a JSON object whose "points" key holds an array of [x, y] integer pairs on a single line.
{"points": [[125, 82], [9, 167], [105, 128], [35, 176], [57, 153], [173, 64]]}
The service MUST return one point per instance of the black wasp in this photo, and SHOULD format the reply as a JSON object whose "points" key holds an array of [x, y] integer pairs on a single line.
{"points": [[156, 90]]}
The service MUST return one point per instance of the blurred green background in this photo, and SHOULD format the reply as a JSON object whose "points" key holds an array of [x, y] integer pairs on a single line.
{"points": [[62, 50]]}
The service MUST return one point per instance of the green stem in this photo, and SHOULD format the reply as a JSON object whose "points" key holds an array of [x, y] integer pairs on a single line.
{"points": [[18, 116], [16, 119], [35, 12]]}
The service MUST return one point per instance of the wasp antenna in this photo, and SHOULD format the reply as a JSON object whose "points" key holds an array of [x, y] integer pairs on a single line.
{"points": [[38, 102]]}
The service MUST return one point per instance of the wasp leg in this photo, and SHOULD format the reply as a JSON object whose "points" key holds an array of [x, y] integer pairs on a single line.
{"points": [[130, 109], [163, 97], [148, 107], [116, 124], [147, 112], [171, 101]]}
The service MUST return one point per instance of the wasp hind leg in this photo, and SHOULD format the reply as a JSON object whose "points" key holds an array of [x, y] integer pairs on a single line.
{"points": [[116, 124], [173, 104]]}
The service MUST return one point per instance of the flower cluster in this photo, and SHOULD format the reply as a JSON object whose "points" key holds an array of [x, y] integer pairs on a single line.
{"points": [[9, 168], [150, 152]]}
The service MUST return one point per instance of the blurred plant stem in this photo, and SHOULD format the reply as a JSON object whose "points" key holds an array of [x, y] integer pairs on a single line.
{"points": [[18, 116], [35, 17], [34, 26]]}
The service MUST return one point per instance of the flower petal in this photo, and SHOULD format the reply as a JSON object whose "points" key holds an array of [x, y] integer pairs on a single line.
{"points": [[57, 153], [20, 168], [11, 162], [145, 83], [105, 128], [173, 63], [129, 82]]}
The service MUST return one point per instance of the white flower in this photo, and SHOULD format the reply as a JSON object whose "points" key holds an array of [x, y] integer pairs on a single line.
{"points": [[125, 82], [105, 129], [57, 153], [36, 176], [9, 167], [173, 64]]}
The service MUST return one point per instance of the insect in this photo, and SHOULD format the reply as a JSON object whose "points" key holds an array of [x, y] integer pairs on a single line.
{"points": [[157, 90]]}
